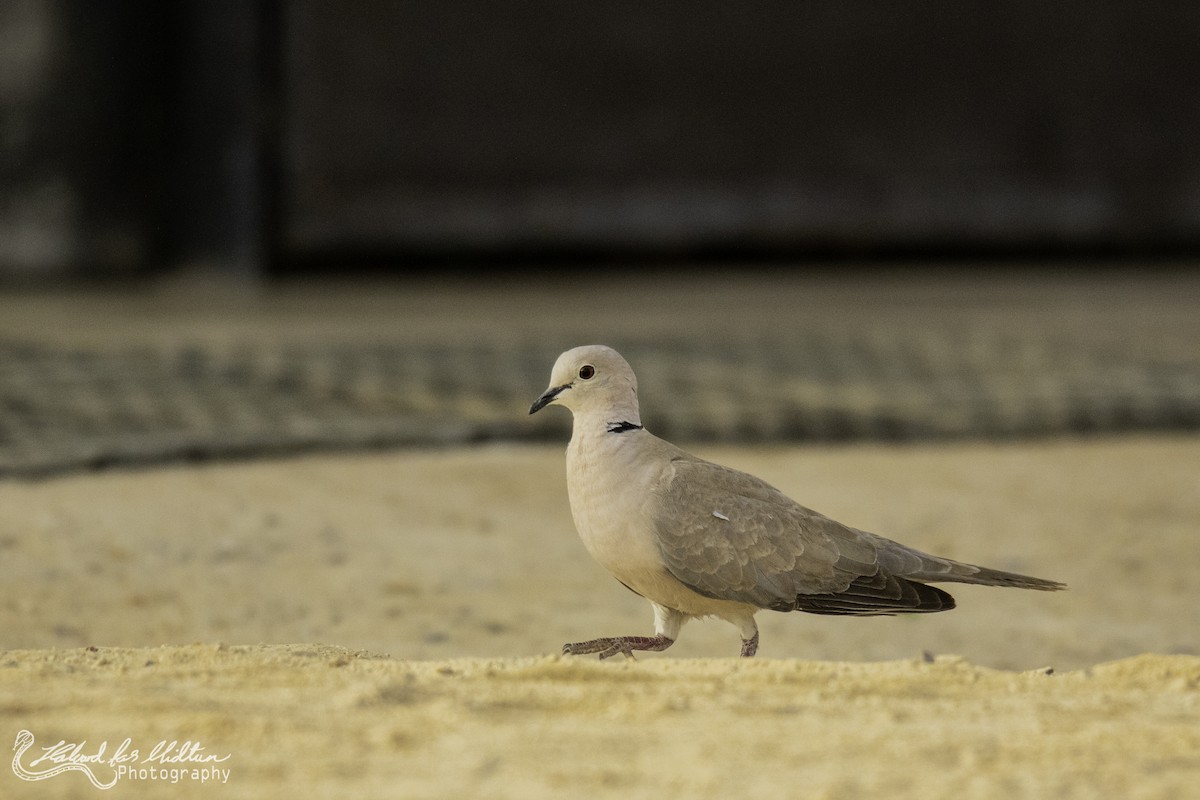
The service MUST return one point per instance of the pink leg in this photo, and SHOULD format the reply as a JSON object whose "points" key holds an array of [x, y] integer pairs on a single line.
{"points": [[610, 646]]}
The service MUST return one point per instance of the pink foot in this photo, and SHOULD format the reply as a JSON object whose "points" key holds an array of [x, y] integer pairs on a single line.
{"points": [[610, 646]]}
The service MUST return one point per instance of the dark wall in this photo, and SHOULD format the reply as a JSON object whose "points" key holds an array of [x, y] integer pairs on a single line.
{"points": [[83, 112], [135, 135], [248, 134], [779, 125]]}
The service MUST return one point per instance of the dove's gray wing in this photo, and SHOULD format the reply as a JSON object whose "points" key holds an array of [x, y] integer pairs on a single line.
{"points": [[729, 535]]}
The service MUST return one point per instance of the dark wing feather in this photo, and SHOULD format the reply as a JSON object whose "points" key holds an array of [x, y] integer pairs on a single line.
{"points": [[873, 596]]}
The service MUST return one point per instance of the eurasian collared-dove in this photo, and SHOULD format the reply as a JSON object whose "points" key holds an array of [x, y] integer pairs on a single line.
{"points": [[697, 539]]}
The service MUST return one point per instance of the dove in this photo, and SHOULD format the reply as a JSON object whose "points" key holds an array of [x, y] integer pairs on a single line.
{"points": [[698, 539]]}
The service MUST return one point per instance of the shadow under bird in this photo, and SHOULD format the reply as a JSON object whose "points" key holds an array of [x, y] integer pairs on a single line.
{"points": [[698, 539]]}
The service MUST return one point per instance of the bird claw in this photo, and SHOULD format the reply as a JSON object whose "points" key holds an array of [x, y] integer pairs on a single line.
{"points": [[610, 646], [606, 648]]}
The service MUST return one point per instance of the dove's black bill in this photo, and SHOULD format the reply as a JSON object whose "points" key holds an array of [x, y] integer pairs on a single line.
{"points": [[547, 398]]}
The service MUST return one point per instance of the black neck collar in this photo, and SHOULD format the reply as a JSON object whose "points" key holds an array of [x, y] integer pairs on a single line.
{"points": [[621, 427]]}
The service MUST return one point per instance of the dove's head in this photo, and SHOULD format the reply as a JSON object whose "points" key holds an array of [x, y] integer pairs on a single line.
{"points": [[592, 379]]}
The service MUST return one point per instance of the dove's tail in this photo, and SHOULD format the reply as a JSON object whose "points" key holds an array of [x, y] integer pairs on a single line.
{"points": [[943, 569], [883, 593], [915, 565]]}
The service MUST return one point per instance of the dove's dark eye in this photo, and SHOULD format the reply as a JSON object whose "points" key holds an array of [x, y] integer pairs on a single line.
{"points": [[587, 371]]}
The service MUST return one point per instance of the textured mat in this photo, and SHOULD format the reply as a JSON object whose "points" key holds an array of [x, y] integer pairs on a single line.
{"points": [[71, 407]]}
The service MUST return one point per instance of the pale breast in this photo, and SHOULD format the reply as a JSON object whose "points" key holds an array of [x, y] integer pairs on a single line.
{"points": [[609, 478], [607, 484]]}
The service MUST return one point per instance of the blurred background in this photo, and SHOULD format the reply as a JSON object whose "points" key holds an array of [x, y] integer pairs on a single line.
{"points": [[234, 226], [240, 229], [267, 137]]}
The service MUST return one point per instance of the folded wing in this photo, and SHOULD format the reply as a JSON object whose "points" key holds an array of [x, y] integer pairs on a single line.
{"points": [[732, 536]]}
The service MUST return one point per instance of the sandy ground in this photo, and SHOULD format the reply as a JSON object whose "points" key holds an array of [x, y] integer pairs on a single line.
{"points": [[311, 721], [463, 567]]}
